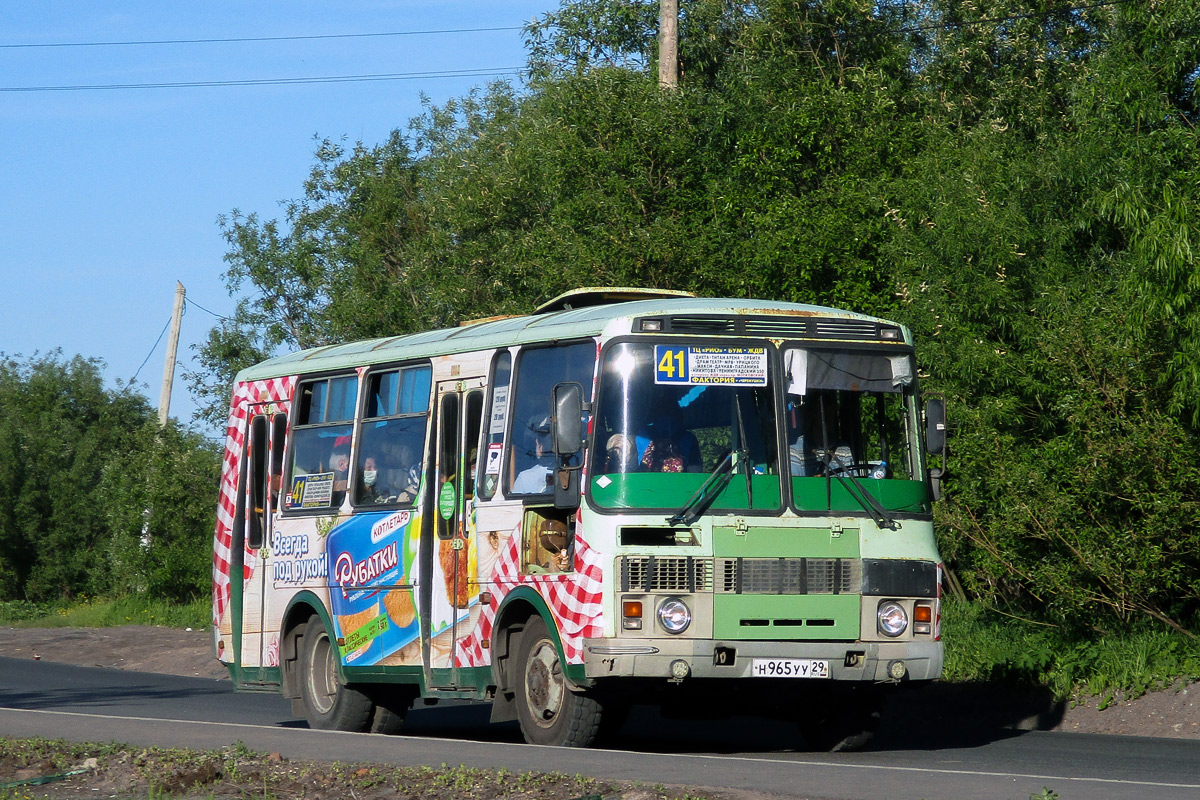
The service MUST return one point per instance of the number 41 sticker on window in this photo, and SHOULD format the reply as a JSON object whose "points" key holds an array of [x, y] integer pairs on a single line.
{"points": [[708, 366]]}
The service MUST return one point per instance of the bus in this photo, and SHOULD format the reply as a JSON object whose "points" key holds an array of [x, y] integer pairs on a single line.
{"points": [[629, 496]]}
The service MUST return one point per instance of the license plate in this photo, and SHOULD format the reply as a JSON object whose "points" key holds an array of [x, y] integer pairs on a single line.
{"points": [[789, 668]]}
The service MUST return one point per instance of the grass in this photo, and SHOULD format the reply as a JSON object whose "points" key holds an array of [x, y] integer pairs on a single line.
{"points": [[106, 613], [985, 645], [237, 773]]}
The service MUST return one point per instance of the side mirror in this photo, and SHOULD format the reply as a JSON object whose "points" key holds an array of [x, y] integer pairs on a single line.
{"points": [[935, 426], [567, 428], [935, 441], [568, 419]]}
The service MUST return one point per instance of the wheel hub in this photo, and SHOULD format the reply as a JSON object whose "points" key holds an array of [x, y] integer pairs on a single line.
{"points": [[544, 684]]}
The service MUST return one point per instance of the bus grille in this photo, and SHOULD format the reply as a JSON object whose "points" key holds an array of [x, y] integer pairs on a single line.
{"points": [[788, 575], [666, 574]]}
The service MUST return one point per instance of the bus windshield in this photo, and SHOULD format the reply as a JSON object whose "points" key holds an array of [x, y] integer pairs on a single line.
{"points": [[680, 425], [669, 416], [851, 442]]}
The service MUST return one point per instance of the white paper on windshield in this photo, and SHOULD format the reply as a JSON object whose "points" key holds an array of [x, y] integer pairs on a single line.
{"points": [[710, 366], [901, 370], [797, 370], [499, 409]]}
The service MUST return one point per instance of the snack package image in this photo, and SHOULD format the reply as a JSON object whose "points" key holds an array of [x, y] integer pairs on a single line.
{"points": [[371, 585]]}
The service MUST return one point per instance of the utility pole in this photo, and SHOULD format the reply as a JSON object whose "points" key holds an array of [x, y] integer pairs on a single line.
{"points": [[164, 400], [668, 44]]}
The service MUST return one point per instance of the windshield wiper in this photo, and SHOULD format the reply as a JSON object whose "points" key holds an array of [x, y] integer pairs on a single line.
{"points": [[867, 500], [744, 451], [703, 497]]}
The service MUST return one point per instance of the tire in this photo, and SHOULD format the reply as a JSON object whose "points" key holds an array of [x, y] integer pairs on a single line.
{"points": [[844, 722], [329, 704], [549, 710], [391, 708]]}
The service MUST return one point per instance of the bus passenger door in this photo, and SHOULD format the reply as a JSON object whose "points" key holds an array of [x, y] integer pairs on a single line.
{"points": [[452, 588], [260, 496]]}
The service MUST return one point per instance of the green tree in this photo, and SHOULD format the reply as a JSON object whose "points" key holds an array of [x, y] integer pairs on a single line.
{"points": [[73, 454], [161, 500]]}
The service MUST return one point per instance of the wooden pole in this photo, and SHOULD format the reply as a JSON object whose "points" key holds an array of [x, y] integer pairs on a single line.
{"points": [[164, 399], [668, 44]]}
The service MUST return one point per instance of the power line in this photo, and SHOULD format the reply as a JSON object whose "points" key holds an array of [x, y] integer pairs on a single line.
{"points": [[29, 45], [387, 76], [152, 349], [192, 302]]}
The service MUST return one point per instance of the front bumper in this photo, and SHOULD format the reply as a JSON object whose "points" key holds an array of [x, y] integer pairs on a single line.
{"points": [[848, 661]]}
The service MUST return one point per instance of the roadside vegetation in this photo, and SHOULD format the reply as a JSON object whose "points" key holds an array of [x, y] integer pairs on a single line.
{"points": [[987, 645], [54, 769], [107, 613]]}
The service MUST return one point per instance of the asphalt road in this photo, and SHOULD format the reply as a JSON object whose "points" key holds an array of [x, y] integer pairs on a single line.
{"points": [[909, 760]]}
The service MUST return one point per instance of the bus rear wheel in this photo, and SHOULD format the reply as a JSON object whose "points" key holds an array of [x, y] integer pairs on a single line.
{"points": [[549, 711], [329, 704]]}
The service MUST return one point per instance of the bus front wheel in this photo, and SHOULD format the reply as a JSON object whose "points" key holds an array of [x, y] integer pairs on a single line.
{"points": [[549, 711], [329, 704]]}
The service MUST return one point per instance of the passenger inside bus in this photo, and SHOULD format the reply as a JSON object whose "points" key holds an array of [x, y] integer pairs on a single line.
{"points": [[538, 458], [622, 454], [401, 474], [369, 489], [665, 445], [339, 464], [395, 447]]}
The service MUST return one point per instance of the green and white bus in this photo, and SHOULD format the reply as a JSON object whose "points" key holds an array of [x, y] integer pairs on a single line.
{"points": [[629, 496]]}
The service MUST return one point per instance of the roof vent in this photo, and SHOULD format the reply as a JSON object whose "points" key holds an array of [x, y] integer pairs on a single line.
{"points": [[602, 296]]}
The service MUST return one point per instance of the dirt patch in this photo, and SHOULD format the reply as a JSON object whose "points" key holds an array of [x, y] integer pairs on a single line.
{"points": [[62, 771], [1174, 712], [140, 648]]}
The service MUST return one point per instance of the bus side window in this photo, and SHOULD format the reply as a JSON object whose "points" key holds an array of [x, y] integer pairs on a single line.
{"points": [[530, 449], [321, 436], [474, 421], [448, 477], [497, 415], [257, 482], [278, 439], [392, 436]]}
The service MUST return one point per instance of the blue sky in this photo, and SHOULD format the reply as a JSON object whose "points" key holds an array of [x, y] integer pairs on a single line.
{"points": [[110, 196]]}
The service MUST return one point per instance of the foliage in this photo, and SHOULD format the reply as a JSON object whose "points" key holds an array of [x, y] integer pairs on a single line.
{"points": [[987, 645], [1016, 181], [139, 609], [85, 471]]}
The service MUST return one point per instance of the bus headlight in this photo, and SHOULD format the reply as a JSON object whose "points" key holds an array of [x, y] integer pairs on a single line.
{"points": [[674, 615], [892, 618]]}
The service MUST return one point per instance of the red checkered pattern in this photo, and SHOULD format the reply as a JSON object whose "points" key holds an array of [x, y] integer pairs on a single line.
{"points": [[574, 600], [276, 394]]}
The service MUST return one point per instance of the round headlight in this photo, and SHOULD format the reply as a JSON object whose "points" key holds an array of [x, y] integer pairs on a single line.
{"points": [[893, 620], [674, 615]]}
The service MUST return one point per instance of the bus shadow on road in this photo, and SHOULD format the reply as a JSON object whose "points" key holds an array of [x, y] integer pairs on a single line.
{"points": [[942, 715], [932, 717]]}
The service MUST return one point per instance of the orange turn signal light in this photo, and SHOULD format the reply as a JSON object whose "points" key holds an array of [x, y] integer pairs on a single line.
{"points": [[632, 609]]}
